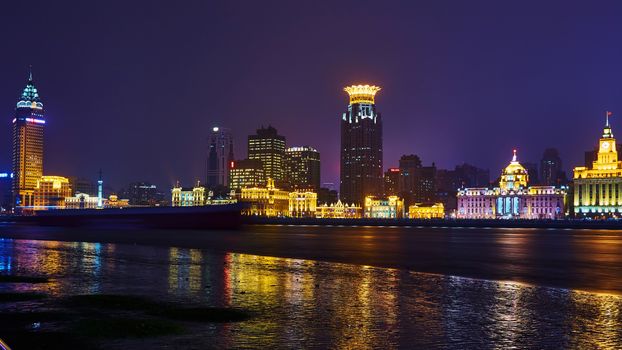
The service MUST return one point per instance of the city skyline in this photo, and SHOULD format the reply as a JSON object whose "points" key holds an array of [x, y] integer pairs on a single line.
{"points": [[132, 107]]}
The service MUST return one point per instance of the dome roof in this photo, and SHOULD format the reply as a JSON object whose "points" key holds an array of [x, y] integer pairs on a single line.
{"points": [[514, 167]]}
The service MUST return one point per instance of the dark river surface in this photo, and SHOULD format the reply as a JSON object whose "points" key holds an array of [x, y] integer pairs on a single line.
{"points": [[348, 287]]}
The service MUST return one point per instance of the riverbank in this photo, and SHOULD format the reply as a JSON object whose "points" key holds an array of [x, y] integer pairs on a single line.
{"points": [[457, 223]]}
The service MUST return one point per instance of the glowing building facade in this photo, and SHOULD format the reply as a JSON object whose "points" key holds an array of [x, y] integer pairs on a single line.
{"points": [[187, 197], [361, 146], [268, 147], [338, 210], [598, 189], [265, 201], [391, 207], [302, 204], [513, 198], [246, 173], [28, 125], [426, 211], [50, 192], [219, 157], [302, 168]]}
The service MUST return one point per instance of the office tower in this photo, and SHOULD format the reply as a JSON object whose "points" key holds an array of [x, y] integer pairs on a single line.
{"points": [[532, 170], [28, 127], [550, 167], [417, 182], [246, 173], [219, 157], [302, 168], [361, 146], [142, 193], [268, 147], [392, 182]]}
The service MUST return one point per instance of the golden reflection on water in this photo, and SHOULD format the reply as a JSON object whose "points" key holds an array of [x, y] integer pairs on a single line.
{"points": [[601, 329], [353, 306]]}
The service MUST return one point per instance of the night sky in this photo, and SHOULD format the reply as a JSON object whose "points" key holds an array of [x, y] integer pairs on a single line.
{"points": [[133, 87]]}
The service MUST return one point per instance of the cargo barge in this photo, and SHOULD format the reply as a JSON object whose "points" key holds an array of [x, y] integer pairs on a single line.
{"points": [[225, 216]]}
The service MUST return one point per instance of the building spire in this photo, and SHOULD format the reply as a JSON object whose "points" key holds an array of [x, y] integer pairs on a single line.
{"points": [[607, 115], [514, 155], [30, 73]]}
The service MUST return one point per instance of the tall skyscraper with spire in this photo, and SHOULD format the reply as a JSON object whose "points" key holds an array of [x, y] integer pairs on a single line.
{"points": [[28, 126], [219, 157], [361, 146]]}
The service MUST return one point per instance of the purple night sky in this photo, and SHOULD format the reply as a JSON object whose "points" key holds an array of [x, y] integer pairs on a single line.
{"points": [[133, 88]]}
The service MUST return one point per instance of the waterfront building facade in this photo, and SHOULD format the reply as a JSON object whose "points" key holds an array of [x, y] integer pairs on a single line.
{"points": [[246, 173], [391, 207], [339, 210], [187, 197], [513, 198], [81, 201], [361, 146], [50, 192], [28, 126], [302, 204], [598, 188], [426, 211], [268, 147], [302, 168], [219, 157], [265, 201]]}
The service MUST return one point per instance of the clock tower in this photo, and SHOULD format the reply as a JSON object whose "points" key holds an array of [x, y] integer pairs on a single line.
{"points": [[607, 150]]}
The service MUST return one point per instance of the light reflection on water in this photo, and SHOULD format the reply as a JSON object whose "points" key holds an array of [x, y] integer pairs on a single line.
{"points": [[302, 303]]}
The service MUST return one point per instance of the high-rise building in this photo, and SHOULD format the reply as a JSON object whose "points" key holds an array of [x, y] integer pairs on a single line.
{"points": [[598, 188], [361, 146], [551, 171], [246, 173], [27, 145], [302, 168], [219, 157], [142, 193], [417, 182], [268, 147], [392, 182]]}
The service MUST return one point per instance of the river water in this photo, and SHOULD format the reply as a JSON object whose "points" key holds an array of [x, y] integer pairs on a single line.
{"points": [[304, 303]]}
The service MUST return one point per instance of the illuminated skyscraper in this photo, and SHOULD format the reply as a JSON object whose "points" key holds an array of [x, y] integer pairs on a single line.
{"points": [[219, 157], [27, 145], [302, 168], [268, 147], [361, 146]]}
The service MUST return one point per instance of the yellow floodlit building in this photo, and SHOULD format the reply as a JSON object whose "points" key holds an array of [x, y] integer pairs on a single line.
{"points": [[302, 204], [426, 211], [598, 190], [187, 197], [50, 192], [391, 207], [265, 201], [114, 201], [339, 211]]}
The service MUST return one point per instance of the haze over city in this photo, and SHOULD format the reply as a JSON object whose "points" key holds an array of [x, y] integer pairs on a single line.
{"points": [[134, 88]]}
